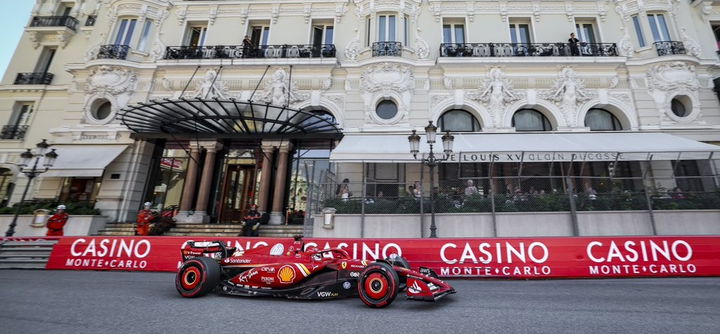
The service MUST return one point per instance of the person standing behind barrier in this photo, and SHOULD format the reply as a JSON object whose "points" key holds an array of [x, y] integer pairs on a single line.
{"points": [[574, 48], [252, 222], [144, 218], [471, 189], [57, 222], [343, 190]]}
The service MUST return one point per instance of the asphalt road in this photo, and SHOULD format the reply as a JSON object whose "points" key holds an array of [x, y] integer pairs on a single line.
{"points": [[124, 302]]}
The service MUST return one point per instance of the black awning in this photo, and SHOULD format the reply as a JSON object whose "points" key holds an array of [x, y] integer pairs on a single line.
{"points": [[224, 118]]}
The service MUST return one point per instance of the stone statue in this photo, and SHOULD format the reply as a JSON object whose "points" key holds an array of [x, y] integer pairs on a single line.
{"points": [[210, 87]]}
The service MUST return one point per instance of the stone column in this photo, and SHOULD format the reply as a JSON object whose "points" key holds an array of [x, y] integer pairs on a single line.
{"points": [[262, 198], [201, 216], [189, 186], [276, 216]]}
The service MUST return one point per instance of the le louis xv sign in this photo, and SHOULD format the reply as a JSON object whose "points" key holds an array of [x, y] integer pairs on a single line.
{"points": [[470, 157]]}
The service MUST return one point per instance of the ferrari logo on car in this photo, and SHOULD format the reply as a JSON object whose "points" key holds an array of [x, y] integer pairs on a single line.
{"points": [[343, 265], [286, 274]]}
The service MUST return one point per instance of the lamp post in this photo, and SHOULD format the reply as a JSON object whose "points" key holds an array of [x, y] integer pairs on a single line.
{"points": [[31, 172], [431, 161]]}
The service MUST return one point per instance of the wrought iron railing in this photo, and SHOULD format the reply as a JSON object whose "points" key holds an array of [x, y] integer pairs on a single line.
{"points": [[13, 131], [113, 51], [34, 78], [239, 51], [666, 48], [528, 50], [54, 21], [381, 49]]}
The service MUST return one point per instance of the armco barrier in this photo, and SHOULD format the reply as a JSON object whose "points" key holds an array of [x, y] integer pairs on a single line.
{"points": [[595, 257]]}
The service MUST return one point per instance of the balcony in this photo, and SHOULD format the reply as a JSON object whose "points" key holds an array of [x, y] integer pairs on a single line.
{"points": [[387, 49], [35, 78], [528, 50], [667, 48], [54, 21], [238, 51], [113, 51], [15, 132]]}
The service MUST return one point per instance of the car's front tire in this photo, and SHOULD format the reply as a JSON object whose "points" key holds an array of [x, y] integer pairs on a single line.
{"points": [[378, 285], [197, 277]]}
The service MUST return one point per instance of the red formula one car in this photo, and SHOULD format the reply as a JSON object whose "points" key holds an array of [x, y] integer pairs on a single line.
{"points": [[301, 274]]}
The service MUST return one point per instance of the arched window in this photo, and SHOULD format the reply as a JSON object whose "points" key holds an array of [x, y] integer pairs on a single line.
{"points": [[458, 120], [601, 120], [530, 120], [315, 123]]}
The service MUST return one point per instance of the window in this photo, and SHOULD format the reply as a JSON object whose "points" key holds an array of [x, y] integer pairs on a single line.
{"points": [[585, 32], [601, 120], [102, 110], [453, 32], [638, 30], [22, 114], [458, 120], [680, 106], [386, 109], [406, 29], [530, 120], [367, 31], [143, 42], [76, 189], [659, 28], [46, 57], [196, 36], [716, 32], [64, 10], [520, 32], [259, 34], [386, 28], [322, 33], [125, 30]]}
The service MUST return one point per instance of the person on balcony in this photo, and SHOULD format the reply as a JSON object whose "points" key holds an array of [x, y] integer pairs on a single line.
{"points": [[144, 219], [574, 45], [57, 222], [471, 189], [247, 47]]}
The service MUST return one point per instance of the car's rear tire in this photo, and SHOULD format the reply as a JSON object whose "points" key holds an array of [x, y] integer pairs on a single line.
{"points": [[378, 285], [197, 277]]}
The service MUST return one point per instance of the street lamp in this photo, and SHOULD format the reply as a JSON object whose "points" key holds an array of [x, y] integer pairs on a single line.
{"points": [[431, 161], [25, 159]]}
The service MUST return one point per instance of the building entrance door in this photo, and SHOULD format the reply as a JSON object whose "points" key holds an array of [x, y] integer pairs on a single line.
{"points": [[237, 192]]}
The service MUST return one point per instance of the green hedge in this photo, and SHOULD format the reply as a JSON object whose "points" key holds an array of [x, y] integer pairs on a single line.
{"points": [[29, 207]]}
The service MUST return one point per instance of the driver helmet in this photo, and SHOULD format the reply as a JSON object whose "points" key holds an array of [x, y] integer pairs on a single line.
{"points": [[61, 207], [147, 204]]}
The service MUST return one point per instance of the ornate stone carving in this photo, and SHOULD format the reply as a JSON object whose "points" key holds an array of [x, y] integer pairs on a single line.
{"points": [[496, 92], [387, 80], [210, 87], [112, 83], [213, 15], [352, 49], [182, 15], [667, 80], [625, 45], [602, 10], [567, 92], [307, 12], [34, 37], [672, 77], [111, 79], [279, 92], [340, 10], [691, 46], [471, 11], [275, 14], [422, 49], [537, 10]]}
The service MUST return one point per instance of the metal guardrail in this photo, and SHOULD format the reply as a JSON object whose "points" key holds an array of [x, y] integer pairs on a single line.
{"points": [[383, 49], [113, 51], [34, 78], [667, 48], [240, 51], [54, 21], [13, 131], [528, 50]]}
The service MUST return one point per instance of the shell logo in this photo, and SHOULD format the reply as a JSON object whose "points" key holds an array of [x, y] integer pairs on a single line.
{"points": [[286, 274]]}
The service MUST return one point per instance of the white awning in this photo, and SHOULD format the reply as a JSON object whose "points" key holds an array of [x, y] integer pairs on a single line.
{"points": [[83, 160], [515, 147]]}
